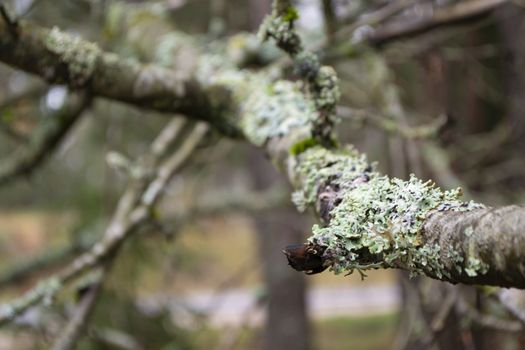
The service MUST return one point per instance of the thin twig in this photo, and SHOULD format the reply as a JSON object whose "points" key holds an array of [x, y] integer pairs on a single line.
{"points": [[44, 140], [47, 260], [134, 208], [392, 126], [77, 323], [514, 301], [486, 320], [12, 24], [375, 18], [443, 16]]}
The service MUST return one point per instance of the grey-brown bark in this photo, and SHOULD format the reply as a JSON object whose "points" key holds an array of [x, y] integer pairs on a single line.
{"points": [[498, 240]]}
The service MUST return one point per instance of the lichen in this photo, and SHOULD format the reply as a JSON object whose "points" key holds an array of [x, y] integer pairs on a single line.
{"points": [[475, 266], [328, 93], [169, 46], [279, 26], [321, 80], [376, 221], [79, 57], [267, 108]]}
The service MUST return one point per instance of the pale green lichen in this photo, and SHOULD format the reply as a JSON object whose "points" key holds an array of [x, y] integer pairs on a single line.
{"points": [[80, 57], [468, 231], [267, 108], [279, 25], [475, 267], [321, 81], [328, 93], [45, 291], [377, 221], [169, 47]]}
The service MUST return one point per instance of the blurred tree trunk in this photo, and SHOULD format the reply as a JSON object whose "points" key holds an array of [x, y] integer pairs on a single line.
{"points": [[287, 325], [512, 28], [286, 318]]}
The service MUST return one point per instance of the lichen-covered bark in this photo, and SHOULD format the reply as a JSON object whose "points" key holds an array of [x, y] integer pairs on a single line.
{"points": [[61, 58], [494, 237], [367, 220], [370, 221]]}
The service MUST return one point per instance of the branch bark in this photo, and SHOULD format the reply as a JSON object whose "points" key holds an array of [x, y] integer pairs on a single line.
{"points": [[60, 58]]}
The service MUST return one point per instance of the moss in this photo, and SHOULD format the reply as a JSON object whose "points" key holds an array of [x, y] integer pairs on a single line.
{"points": [[290, 14], [376, 221], [79, 57], [301, 146]]}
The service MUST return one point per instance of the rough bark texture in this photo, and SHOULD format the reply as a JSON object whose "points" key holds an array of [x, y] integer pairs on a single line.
{"points": [[495, 235], [286, 325]]}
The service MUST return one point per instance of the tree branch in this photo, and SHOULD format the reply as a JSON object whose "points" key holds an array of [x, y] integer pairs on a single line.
{"points": [[368, 220], [134, 209], [44, 140], [49, 259], [61, 58], [450, 15], [77, 323]]}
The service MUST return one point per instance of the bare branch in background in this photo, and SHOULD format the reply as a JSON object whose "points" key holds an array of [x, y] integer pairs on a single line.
{"points": [[12, 23], [49, 259], [392, 126], [330, 20], [375, 18], [446, 16], [77, 323], [134, 209], [514, 301], [44, 140], [487, 320]]}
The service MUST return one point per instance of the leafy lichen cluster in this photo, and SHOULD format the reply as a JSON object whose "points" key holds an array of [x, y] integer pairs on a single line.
{"points": [[268, 108], [279, 26], [375, 221], [275, 110], [80, 57], [321, 80]]}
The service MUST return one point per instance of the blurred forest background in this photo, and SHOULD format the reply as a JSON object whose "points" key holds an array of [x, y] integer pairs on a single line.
{"points": [[438, 92]]}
